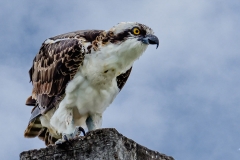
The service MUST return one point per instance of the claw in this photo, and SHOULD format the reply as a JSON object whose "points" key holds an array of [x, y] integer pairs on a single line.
{"points": [[68, 137], [65, 137], [78, 131], [67, 140]]}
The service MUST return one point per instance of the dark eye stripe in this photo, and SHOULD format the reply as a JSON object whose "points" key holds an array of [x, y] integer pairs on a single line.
{"points": [[126, 33], [120, 36]]}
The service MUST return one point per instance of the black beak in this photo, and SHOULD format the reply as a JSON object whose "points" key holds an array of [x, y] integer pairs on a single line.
{"points": [[149, 39]]}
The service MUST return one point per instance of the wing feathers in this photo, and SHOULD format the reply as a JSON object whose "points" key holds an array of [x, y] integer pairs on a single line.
{"points": [[30, 101], [54, 66], [89, 35], [122, 78]]}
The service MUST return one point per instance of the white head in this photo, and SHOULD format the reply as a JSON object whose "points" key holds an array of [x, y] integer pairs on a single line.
{"points": [[132, 30], [124, 43]]}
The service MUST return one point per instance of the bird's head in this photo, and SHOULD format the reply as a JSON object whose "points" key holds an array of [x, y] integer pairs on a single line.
{"points": [[126, 41], [133, 31]]}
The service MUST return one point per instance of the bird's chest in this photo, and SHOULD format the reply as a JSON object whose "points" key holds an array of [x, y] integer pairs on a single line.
{"points": [[94, 86], [100, 70], [88, 97]]}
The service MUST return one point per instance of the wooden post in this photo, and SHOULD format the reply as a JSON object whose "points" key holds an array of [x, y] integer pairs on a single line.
{"points": [[101, 144]]}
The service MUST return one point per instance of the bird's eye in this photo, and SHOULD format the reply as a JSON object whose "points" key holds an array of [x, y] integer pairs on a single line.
{"points": [[136, 31]]}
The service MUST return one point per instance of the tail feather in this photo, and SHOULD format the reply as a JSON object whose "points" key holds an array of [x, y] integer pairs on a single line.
{"points": [[33, 128], [46, 137], [42, 133]]}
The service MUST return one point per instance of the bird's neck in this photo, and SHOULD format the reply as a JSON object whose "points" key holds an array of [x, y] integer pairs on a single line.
{"points": [[104, 65], [122, 56]]}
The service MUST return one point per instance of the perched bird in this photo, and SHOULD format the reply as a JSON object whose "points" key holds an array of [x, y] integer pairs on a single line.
{"points": [[77, 75]]}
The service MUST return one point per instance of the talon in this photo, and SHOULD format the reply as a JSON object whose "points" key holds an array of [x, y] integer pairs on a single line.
{"points": [[81, 129], [67, 137], [78, 131]]}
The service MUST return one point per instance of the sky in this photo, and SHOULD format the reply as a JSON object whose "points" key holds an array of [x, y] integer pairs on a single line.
{"points": [[182, 99]]}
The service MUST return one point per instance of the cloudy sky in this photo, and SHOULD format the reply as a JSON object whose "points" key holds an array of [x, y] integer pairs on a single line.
{"points": [[182, 99]]}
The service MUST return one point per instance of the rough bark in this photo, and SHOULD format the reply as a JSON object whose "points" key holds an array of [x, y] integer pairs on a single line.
{"points": [[101, 144]]}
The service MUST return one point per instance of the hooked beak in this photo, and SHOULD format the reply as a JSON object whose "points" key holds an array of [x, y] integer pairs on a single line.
{"points": [[149, 39]]}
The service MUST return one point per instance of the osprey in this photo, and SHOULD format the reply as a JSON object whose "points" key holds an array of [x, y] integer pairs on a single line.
{"points": [[77, 75]]}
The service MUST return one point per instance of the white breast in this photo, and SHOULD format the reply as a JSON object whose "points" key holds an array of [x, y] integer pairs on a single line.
{"points": [[91, 91]]}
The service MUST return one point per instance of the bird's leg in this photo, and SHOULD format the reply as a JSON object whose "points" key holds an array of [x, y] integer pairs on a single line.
{"points": [[94, 121], [71, 131]]}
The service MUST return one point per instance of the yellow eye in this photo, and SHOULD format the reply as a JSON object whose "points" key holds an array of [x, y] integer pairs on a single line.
{"points": [[136, 31]]}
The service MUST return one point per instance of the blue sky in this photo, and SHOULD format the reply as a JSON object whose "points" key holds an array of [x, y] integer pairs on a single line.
{"points": [[182, 99]]}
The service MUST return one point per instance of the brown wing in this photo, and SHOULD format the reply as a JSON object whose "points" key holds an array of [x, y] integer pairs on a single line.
{"points": [[89, 35], [122, 78], [53, 67]]}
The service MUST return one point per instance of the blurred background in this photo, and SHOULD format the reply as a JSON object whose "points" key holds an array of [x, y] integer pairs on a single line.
{"points": [[182, 99]]}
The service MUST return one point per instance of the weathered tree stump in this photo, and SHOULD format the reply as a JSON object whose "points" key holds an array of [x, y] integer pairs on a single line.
{"points": [[101, 144]]}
